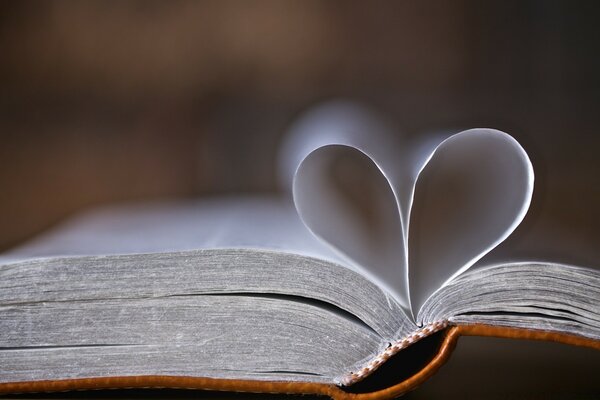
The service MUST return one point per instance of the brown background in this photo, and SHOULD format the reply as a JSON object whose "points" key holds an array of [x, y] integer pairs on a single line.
{"points": [[103, 101]]}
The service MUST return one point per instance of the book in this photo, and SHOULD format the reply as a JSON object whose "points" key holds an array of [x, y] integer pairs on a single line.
{"points": [[378, 250]]}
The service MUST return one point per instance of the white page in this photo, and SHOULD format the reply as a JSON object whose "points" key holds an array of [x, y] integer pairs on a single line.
{"points": [[323, 136], [471, 194]]}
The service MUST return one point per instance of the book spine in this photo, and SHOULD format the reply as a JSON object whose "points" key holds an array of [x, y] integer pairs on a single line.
{"points": [[373, 364]]}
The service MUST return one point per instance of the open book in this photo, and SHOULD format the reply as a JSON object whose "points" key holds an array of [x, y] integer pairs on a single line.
{"points": [[379, 245]]}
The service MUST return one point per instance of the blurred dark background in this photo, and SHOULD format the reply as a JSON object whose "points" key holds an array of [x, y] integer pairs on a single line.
{"points": [[104, 101]]}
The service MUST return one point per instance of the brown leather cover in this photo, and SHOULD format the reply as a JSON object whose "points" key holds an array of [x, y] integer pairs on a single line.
{"points": [[451, 336]]}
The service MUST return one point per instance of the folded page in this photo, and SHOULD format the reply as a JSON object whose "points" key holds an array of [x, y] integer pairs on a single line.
{"points": [[471, 194], [334, 151]]}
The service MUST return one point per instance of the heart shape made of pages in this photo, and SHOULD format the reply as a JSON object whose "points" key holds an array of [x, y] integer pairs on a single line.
{"points": [[410, 224]]}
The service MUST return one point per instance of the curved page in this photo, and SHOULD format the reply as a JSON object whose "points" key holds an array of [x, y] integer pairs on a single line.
{"points": [[471, 194], [343, 168]]}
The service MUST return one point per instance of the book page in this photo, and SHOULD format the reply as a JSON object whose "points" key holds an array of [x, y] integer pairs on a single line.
{"points": [[472, 193], [340, 133], [229, 313], [531, 295]]}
